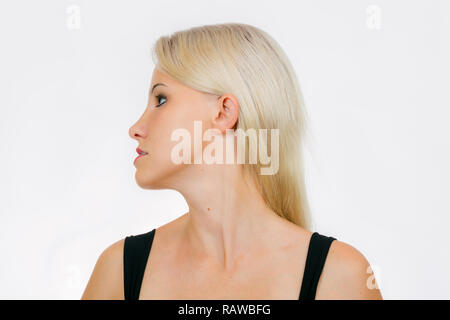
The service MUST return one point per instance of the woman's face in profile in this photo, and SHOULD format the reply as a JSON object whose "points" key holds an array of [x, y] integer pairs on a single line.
{"points": [[171, 106]]}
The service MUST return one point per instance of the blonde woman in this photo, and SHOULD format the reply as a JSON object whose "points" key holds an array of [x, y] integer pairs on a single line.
{"points": [[247, 234]]}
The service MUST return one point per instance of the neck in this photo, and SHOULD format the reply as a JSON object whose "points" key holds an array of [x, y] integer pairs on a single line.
{"points": [[227, 216]]}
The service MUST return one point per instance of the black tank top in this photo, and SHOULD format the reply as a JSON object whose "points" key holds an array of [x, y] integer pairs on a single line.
{"points": [[137, 249]]}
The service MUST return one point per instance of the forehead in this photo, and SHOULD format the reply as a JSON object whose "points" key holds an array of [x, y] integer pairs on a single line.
{"points": [[160, 76]]}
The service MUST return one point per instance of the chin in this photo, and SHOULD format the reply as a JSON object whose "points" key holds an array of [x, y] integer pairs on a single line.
{"points": [[150, 180], [144, 181]]}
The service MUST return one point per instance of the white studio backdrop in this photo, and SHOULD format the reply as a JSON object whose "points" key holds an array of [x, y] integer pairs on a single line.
{"points": [[75, 76]]}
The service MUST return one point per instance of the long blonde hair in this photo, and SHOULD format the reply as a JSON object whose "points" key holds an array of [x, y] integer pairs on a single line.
{"points": [[246, 61]]}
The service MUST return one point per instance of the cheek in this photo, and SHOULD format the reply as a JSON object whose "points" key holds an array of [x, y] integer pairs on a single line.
{"points": [[161, 143], [164, 124]]}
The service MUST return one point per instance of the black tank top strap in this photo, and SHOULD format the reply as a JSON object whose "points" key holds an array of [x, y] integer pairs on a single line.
{"points": [[315, 260], [135, 255]]}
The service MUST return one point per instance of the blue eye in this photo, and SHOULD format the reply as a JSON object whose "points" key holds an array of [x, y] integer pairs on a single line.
{"points": [[159, 96]]}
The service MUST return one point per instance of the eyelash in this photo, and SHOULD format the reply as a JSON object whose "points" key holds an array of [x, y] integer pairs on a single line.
{"points": [[159, 96]]}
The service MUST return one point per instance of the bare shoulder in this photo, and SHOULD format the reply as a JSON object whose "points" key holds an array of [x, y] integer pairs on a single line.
{"points": [[347, 275], [106, 280]]}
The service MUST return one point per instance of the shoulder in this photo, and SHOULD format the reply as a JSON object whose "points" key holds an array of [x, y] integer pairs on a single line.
{"points": [[346, 275], [106, 280]]}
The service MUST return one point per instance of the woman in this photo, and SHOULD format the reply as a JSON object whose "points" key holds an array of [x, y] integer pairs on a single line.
{"points": [[246, 234]]}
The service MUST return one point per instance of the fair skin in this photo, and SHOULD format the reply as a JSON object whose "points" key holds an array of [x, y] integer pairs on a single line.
{"points": [[230, 244]]}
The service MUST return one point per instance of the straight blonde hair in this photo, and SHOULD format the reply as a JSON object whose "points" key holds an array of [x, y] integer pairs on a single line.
{"points": [[246, 61]]}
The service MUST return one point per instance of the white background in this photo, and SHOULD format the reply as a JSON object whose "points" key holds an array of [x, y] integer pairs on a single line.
{"points": [[375, 75]]}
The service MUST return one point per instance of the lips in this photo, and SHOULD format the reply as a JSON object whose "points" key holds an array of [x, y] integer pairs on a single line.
{"points": [[141, 152]]}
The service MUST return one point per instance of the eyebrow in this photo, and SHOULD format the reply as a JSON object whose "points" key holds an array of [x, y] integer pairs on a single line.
{"points": [[158, 84]]}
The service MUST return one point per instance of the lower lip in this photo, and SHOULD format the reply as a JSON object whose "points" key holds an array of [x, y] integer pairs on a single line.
{"points": [[139, 156]]}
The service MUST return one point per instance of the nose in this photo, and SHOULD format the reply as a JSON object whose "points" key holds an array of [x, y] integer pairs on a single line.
{"points": [[137, 131]]}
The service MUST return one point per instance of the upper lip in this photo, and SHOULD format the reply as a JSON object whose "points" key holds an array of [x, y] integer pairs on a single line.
{"points": [[140, 151]]}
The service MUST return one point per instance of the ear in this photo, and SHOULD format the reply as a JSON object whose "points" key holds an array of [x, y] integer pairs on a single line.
{"points": [[226, 113]]}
